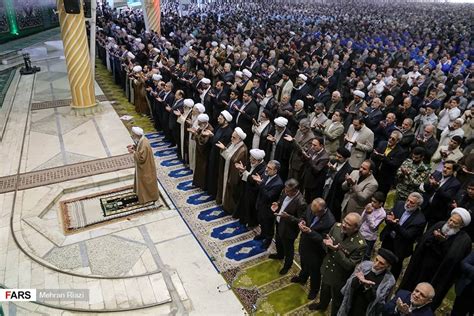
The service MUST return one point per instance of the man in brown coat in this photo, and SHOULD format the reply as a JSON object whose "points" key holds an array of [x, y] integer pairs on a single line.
{"points": [[145, 185]]}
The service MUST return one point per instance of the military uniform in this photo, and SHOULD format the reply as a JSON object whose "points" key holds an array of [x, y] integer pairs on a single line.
{"points": [[338, 265]]}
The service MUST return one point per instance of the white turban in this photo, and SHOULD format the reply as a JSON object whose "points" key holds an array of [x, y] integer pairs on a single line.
{"points": [[302, 77], [281, 121], [203, 118], [138, 40], [238, 73], [110, 38], [240, 132], [130, 55], [171, 34], [227, 115], [200, 107], [137, 68], [359, 93], [157, 77], [162, 38], [465, 215], [156, 50], [230, 47], [116, 46], [222, 46], [137, 131], [292, 33], [206, 81], [188, 103], [247, 73], [257, 153], [214, 44]]}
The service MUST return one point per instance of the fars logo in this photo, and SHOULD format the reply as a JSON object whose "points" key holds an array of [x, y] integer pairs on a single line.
{"points": [[10, 295]]}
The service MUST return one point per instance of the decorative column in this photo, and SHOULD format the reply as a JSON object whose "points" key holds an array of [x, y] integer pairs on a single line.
{"points": [[152, 15], [76, 51]]}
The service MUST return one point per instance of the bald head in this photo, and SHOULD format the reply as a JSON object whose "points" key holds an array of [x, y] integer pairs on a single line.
{"points": [[423, 294]]}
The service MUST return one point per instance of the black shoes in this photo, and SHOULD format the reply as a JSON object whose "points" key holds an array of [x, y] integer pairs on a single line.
{"points": [[284, 271], [259, 237], [275, 256], [316, 307], [297, 279], [267, 243]]}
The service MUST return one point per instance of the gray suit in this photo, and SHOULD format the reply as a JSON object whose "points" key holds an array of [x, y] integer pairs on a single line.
{"points": [[332, 136], [359, 194], [365, 144]]}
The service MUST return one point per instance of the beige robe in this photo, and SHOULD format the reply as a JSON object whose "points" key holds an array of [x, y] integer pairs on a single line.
{"points": [[146, 184]]}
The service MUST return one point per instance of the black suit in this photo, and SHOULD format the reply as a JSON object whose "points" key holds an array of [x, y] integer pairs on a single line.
{"points": [[244, 120], [167, 100], [311, 246], [437, 201], [287, 227], [334, 194], [386, 166], [430, 146], [401, 238], [314, 175], [267, 194]]}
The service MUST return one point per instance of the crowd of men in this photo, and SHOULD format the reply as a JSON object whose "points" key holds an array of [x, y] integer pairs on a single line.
{"points": [[300, 119]]}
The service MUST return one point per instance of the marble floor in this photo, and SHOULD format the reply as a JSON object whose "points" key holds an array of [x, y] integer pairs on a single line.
{"points": [[150, 264]]}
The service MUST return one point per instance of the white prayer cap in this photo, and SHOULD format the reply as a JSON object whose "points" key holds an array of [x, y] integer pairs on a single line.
{"points": [[359, 93], [137, 130], [247, 73], [203, 118], [465, 216], [116, 46], [156, 50], [188, 103], [130, 36], [110, 38], [302, 77], [162, 38], [206, 81], [281, 121], [200, 107], [138, 40], [137, 68], [214, 44], [292, 33], [227, 115], [171, 34], [240, 132], [230, 47], [238, 73], [157, 77], [130, 55], [222, 46], [257, 153]]}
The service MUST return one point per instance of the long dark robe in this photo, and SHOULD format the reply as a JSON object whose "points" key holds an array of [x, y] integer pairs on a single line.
{"points": [[437, 262], [203, 147], [245, 210], [361, 297], [215, 161]]}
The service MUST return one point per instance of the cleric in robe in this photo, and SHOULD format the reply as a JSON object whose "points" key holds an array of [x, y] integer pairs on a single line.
{"points": [[234, 153], [145, 185], [438, 255]]}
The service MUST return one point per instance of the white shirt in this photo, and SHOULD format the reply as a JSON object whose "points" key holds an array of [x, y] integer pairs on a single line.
{"points": [[284, 205]]}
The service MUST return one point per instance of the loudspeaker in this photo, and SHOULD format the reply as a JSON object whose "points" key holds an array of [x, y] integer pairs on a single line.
{"points": [[72, 6]]}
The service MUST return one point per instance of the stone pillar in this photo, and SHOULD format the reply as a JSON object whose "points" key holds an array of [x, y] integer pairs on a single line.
{"points": [[152, 15], [76, 51]]}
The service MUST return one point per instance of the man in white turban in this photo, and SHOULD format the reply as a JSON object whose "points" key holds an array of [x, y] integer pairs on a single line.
{"points": [[438, 254], [229, 178], [145, 184]]}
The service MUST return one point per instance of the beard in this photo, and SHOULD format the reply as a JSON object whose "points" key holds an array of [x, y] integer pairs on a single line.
{"points": [[448, 231], [410, 209]]}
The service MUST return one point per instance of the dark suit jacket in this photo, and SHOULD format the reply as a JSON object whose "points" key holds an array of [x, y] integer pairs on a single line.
{"points": [[245, 119], [389, 308], [430, 146], [373, 118], [406, 234], [437, 209], [267, 194], [314, 173], [336, 193], [386, 166], [288, 226], [311, 244]]}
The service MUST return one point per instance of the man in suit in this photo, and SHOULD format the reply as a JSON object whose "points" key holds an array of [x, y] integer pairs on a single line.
{"points": [[385, 128], [338, 168], [315, 166], [166, 99], [246, 114], [288, 210], [360, 185], [388, 157], [219, 99], [416, 303], [315, 224], [345, 248], [373, 114], [439, 191], [427, 141], [333, 130], [359, 141], [404, 225], [270, 186]]}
